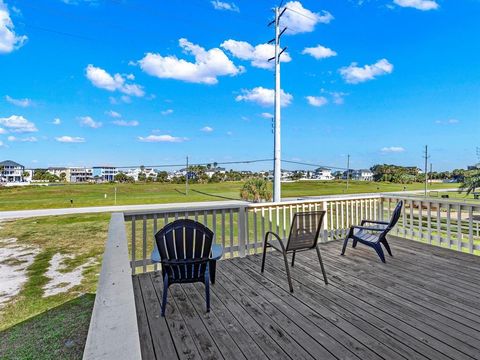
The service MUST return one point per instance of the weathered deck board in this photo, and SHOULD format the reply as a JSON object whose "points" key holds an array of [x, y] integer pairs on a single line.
{"points": [[422, 304]]}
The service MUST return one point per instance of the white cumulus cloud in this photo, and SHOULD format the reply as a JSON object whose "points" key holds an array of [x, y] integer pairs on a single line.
{"points": [[392, 149], [166, 112], [264, 97], [125, 123], [258, 55], [18, 124], [266, 115], [354, 74], [317, 100], [56, 121], [89, 122], [319, 52], [103, 80], [9, 40], [206, 129], [300, 20], [19, 102], [162, 138], [222, 5], [423, 5], [208, 65], [70, 139], [23, 139], [113, 114]]}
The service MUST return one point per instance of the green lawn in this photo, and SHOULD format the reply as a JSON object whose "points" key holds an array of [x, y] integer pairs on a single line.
{"points": [[59, 196], [54, 327]]}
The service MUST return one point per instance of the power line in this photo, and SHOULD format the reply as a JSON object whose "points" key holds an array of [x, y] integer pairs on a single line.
{"points": [[315, 165], [302, 14]]}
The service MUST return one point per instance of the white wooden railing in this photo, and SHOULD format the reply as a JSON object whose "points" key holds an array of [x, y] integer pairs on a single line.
{"points": [[451, 224], [241, 227]]}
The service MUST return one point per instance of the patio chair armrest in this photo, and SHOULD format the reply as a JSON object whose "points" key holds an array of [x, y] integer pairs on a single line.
{"points": [[374, 222], [217, 252], [367, 228], [282, 245]]}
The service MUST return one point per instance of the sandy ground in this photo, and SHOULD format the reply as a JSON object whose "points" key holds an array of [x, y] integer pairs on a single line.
{"points": [[60, 280], [14, 261]]}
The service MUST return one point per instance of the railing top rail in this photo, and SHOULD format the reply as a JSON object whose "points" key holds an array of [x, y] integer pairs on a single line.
{"points": [[316, 199], [113, 331], [189, 207], [431, 200]]}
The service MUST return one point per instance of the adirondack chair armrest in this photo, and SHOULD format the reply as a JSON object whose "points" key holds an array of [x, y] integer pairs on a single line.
{"points": [[374, 222], [185, 261], [368, 228]]}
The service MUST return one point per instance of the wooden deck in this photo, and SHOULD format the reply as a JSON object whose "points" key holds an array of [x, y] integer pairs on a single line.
{"points": [[423, 304]]}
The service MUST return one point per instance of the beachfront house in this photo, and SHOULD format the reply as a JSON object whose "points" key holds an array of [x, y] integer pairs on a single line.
{"points": [[104, 173], [10, 171]]}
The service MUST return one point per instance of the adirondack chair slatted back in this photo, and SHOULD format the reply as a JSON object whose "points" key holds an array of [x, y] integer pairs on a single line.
{"points": [[187, 244], [395, 215], [305, 230]]}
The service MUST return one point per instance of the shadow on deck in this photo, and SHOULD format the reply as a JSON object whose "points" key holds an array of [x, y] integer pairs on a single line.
{"points": [[423, 304]]}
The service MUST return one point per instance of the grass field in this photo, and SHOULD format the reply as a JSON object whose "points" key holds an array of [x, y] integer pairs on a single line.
{"points": [[60, 196], [36, 327]]}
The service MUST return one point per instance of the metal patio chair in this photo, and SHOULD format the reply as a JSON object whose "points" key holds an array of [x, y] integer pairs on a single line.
{"points": [[303, 236], [375, 235], [185, 253]]}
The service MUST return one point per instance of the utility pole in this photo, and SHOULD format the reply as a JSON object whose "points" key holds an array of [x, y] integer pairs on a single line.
{"points": [[277, 162], [431, 172], [426, 157], [348, 169], [186, 178]]}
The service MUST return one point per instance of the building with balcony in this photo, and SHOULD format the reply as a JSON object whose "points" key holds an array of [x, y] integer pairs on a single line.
{"points": [[11, 171], [323, 174], [362, 175], [104, 173]]}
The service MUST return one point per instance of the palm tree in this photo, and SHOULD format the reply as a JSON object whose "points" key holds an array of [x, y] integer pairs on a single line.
{"points": [[470, 183], [256, 189]]}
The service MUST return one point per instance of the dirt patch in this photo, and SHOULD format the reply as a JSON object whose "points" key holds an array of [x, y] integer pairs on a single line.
{"points": [[61, 280], [16, 259]]}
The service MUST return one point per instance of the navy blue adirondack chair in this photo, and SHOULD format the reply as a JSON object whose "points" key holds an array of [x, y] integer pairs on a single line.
{"points": [[374, 235], [304, 234], [185, 249]]}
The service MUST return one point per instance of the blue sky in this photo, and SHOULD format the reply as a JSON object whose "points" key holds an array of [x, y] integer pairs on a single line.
{"points": [[129, 83]]}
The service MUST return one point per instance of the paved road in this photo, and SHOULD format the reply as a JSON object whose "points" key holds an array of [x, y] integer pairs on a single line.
{"points": [[19, 214]]}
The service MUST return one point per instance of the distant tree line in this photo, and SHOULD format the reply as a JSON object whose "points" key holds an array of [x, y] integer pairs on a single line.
{"points": [[409, 174]]}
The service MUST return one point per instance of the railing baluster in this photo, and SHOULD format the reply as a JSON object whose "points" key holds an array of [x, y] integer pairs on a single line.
{"points": [[470, 230], [223, 228], [449, 232], [459, 228], [144, 244], [255, 230], [155, 226], [133, 246], [231, 233]]}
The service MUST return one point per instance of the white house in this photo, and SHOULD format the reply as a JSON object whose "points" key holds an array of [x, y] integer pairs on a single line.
{"points": [[323, 174], [134, 173], [80, 174], [216, 170], [362, 175], [104, 173], [10, 171]]}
